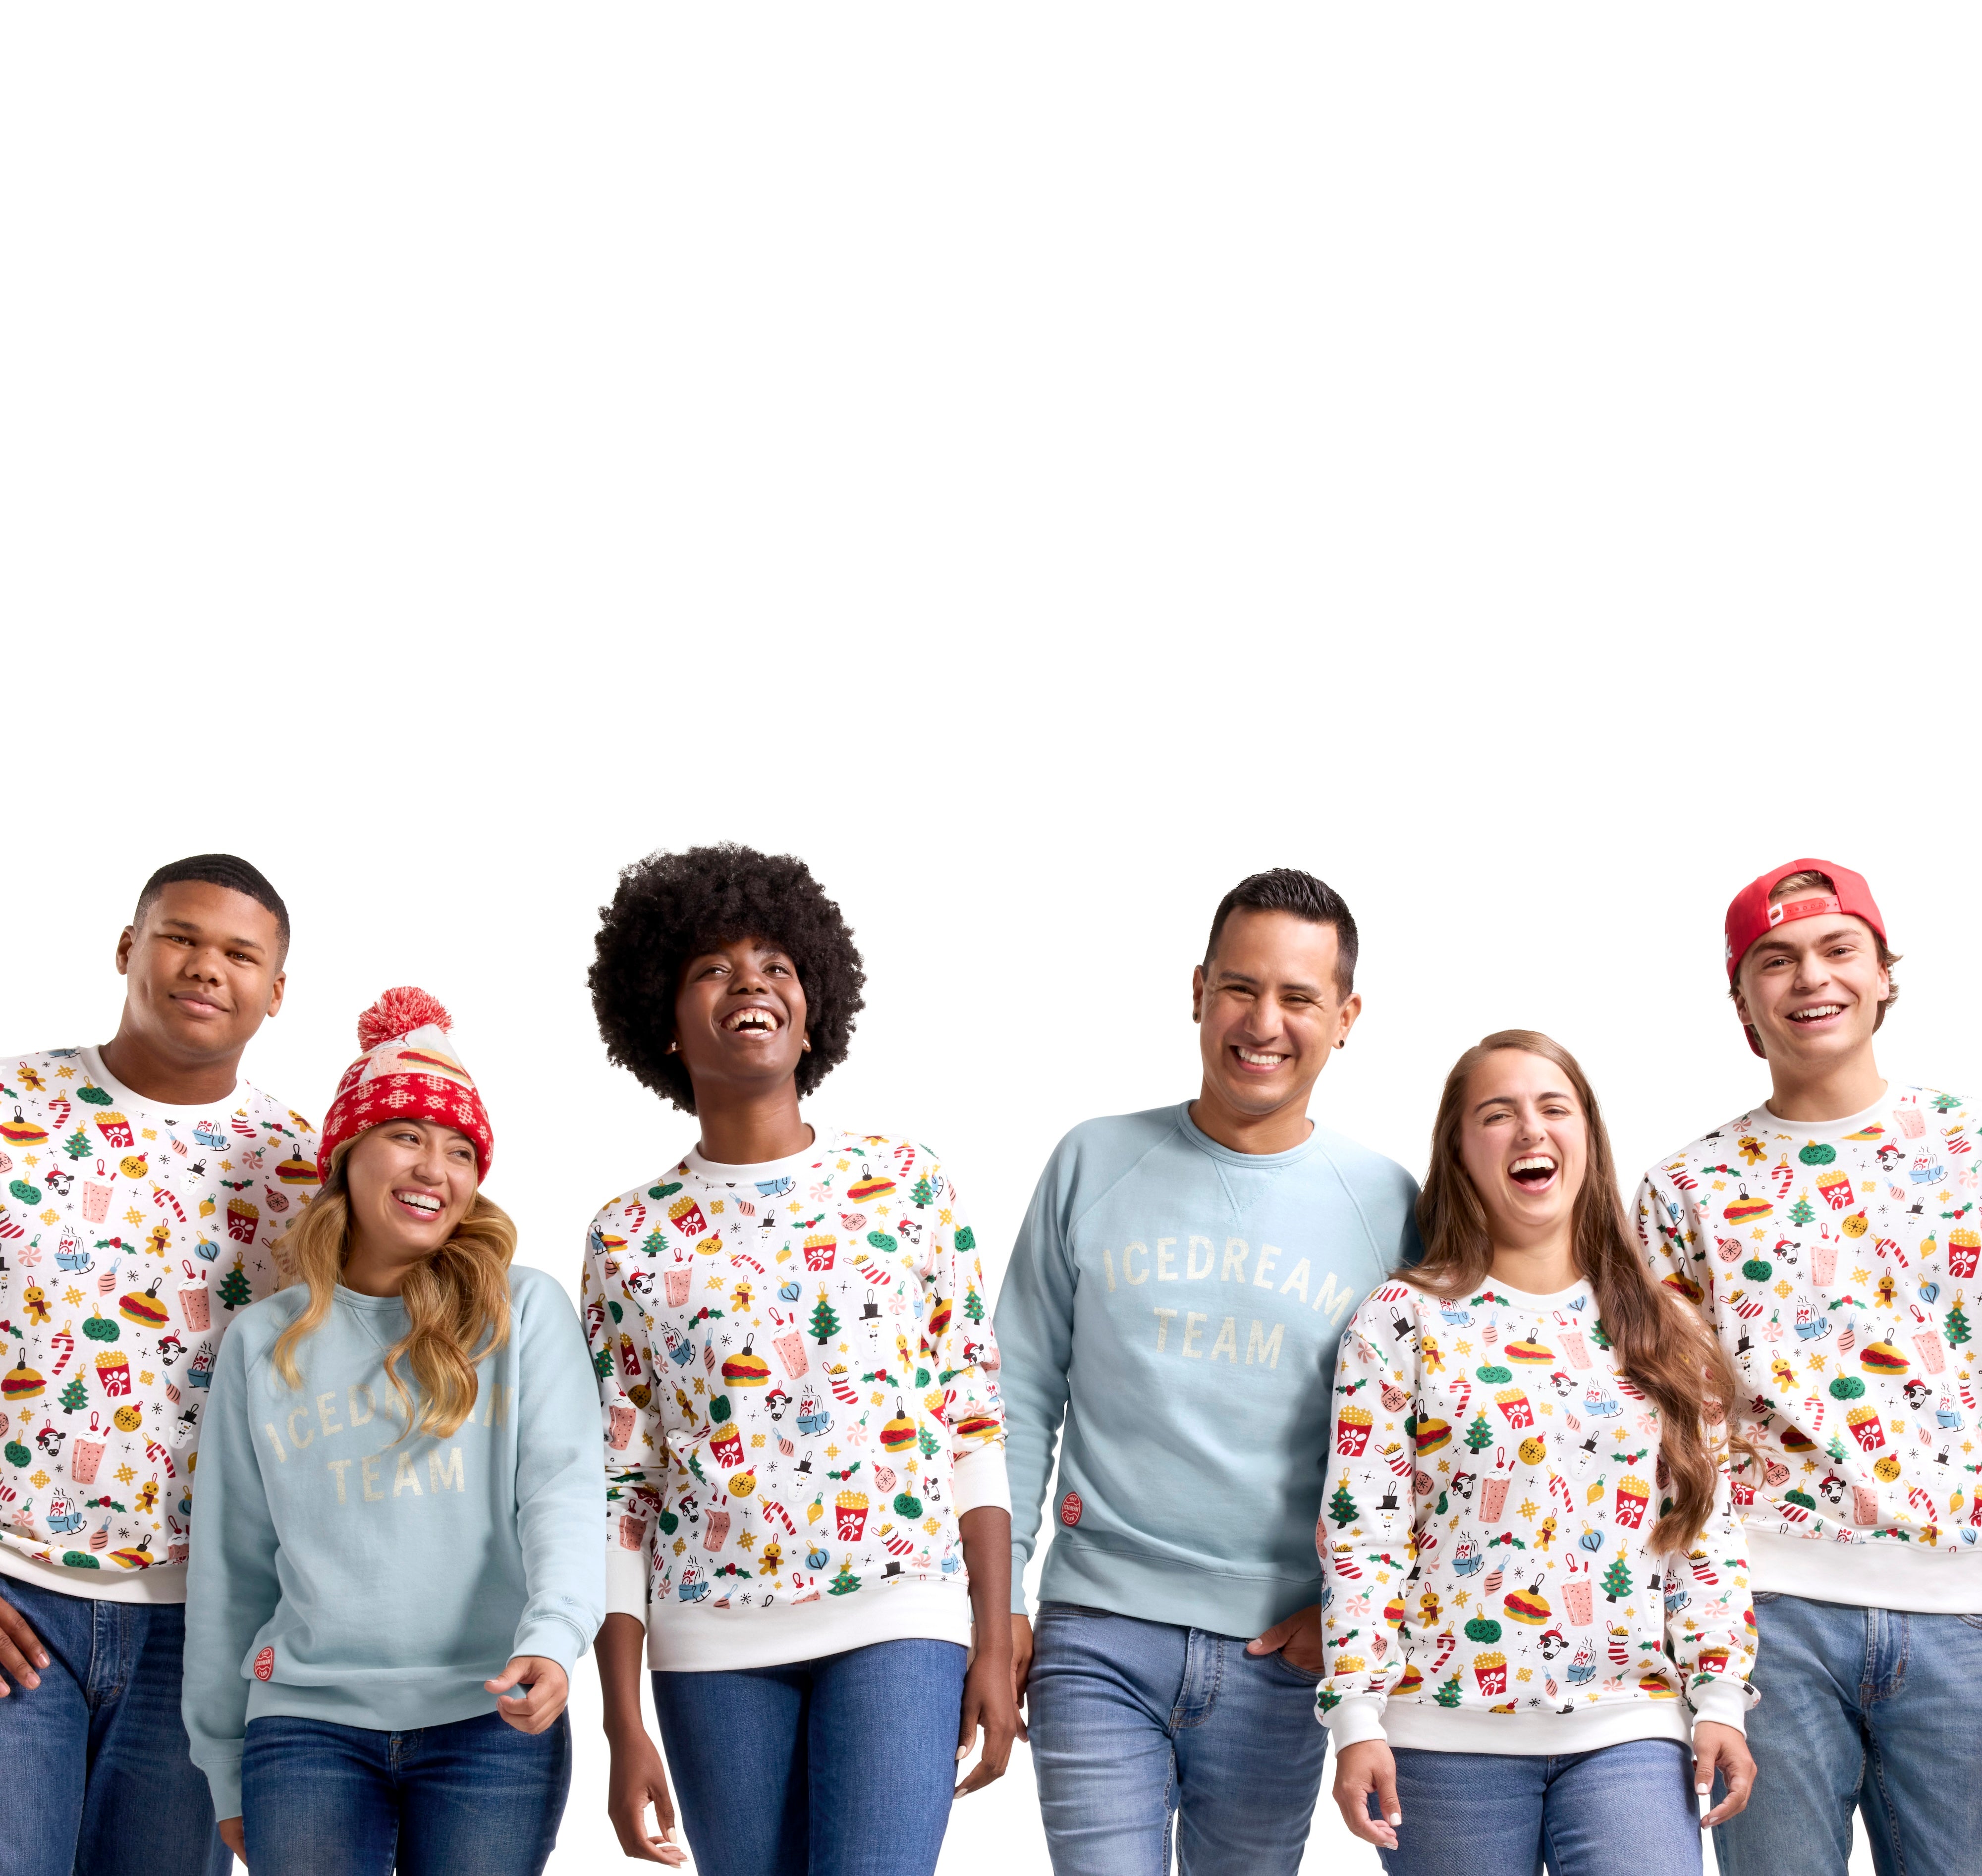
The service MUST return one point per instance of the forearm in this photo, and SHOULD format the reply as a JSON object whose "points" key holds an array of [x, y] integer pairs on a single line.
{"points": [[622, 1648], [987, 1556]]}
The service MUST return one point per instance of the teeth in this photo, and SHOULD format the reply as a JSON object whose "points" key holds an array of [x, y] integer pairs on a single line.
{"points": [[752, 1019], [420, 1201], [1263, 1061], [1537, 1162], [1817, 1010]]}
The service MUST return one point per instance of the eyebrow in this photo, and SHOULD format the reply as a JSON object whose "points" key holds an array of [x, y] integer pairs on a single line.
{"points": [[1239, 977], [1496, 1101], [1781, 947], [186, 925]]}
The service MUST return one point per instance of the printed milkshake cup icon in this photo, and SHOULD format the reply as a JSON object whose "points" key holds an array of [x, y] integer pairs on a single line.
{"points": [[1823, 1261], [676, 1281], [85, 1454], [197, 1307], [621, 1430], [715, 1529], [789, 1346], [1864, 1505], [1352, 1432], [1492, 1499], [1927, 1339], [850, 1515], [96, 1202], [1913, 1123], [1576, 1601], [1572, 1348]]}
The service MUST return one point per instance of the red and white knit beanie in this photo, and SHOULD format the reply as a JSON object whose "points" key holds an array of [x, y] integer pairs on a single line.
{"points": [[409, 1070]]}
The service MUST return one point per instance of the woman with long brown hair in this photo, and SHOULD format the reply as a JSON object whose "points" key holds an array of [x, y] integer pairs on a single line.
{"points": [[395, 1562], [1535, 1609]]}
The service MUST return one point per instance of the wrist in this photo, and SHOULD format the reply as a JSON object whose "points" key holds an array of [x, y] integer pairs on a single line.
{"points": [[621, 1725]]}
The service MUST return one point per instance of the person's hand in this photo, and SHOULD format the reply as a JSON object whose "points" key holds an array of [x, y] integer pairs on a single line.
{"points": [[234, 1838], [1022, 1666], [1297, 1640], [637, 1779], [21, 1650], [538, 1711], [1724, 1749], [1361, 1769], [988, 1702]]}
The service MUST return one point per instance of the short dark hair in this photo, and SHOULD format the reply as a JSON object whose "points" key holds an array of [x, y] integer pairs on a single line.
{"points": [[1287, 889], [219, 869], [672, 907]]}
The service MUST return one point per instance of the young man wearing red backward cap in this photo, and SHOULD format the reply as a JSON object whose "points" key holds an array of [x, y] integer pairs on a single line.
{"points": [[1829, 1235], [139, 1185]]}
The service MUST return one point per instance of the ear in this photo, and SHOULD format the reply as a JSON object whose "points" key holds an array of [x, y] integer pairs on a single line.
{"points": [[124, 944], [1351, 1009], [276, 992], [1197, 993]]}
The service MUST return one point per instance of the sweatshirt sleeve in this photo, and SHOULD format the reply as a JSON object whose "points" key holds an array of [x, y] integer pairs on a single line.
{"points": [[558, 1491], [615, 1333], [1712, 1634], [1035, 1332], [231, 1588], [1362, 1643], [958, 1343], [1675, 1250]]}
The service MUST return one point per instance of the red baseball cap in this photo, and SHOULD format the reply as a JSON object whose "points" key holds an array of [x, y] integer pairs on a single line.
{"points": [[1750, 916]]}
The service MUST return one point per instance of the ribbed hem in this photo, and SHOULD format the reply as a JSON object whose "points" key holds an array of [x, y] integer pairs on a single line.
{"points": [[1128, 1583], [978, 1479], [1881, 1573], [709, 1640], [1423, 1726], [388, 1704], [163, 1583]]}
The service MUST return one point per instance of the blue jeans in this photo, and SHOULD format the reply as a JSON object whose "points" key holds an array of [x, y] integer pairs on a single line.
{"points": [[1627, 1810], [1870, 1710], [95, 1760], [1136, 1725], [843, 1766], [473, 1798]]}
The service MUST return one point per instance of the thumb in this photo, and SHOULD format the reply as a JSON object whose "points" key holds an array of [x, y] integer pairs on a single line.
{"points": [[510, 1676], [1275, 1639]]}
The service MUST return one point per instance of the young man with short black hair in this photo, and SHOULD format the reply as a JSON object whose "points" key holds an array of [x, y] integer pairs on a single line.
{"points": [[1829, 1235], [1174, 1300], [141, 1182]]}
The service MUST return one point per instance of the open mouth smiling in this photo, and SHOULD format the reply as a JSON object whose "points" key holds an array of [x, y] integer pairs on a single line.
{"points": [[754, 1020], [423, 1205], [1816, 1013], [1534, 1172], [1257, 1059]]}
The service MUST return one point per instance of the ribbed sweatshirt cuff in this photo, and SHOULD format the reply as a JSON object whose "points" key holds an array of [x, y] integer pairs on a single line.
{"points": [[556, 1637], [1723, 1702], [978, 1479], [626, 1582], [223, 1776], [1357, 1718]]}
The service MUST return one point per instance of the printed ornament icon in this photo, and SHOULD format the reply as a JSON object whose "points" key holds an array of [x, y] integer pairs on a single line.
{"points": [[265, 1664]]}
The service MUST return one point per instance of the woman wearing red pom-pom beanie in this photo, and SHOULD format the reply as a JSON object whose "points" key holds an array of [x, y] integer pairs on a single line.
{"points": [[395, 1561]]}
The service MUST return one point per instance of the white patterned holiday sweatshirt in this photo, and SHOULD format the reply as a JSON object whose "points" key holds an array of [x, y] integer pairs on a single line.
{"points": [[131, 1234], [1838, 1262], [797, 1376], [1489, 1583]]}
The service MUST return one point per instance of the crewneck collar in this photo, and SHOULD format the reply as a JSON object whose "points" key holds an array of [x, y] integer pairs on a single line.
{"points": [[121, 1096], [1228, 1156], [1878, 1114], [715, 1172]]}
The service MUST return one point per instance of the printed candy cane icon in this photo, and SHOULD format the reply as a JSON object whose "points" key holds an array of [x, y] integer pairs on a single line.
{"points": [[161, 1197], [778, 1516], [636, 1215], [1447, 1641], [63, 1342], [740, 1258], [159, 1457]]}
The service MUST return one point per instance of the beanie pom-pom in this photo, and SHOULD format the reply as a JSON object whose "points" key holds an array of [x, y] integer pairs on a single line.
{"points": [[398, 1013]]}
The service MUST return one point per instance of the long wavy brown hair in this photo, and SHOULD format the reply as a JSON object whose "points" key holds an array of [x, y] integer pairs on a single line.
{"points": [[1662, 1346], [457, 1301]]}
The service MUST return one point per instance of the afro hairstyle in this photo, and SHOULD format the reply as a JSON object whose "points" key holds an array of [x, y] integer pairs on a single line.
{"points": [[672, 907]]}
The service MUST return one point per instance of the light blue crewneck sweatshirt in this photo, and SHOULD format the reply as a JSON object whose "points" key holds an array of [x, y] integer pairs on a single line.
{"points": [[341, 1572], [1179, 1304]]}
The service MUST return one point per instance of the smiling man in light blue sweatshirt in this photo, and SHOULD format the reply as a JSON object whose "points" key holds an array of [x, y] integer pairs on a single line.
{"points": [[1173, 1304]]}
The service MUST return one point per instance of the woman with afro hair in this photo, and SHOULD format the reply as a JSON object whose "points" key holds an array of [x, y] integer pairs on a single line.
{"points": [[804, 1439]]}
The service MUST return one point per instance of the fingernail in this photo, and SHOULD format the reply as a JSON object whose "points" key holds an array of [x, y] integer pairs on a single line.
{"points": [[1397, 1817], [962, 1753]]}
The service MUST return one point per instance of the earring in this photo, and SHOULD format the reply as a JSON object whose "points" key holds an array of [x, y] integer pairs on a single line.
{"points": [[805, 1044], [1344, 1043], [674, 1048]]}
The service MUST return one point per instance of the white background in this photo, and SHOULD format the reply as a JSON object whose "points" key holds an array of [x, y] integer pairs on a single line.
{"points": [[1039, 465]]}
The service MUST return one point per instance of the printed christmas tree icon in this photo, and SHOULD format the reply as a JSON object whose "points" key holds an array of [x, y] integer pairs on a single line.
{"points": [[1802, 1210], [973, 1303], [1616, 1581], [77, 1145], [1957, 1323], [1479, 1435], [234, 1291], [927, 1444], [847, 1582], [825, 1324], [923, 1191], [73, 1396], [1448, 1695], [1341, 1507]]}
